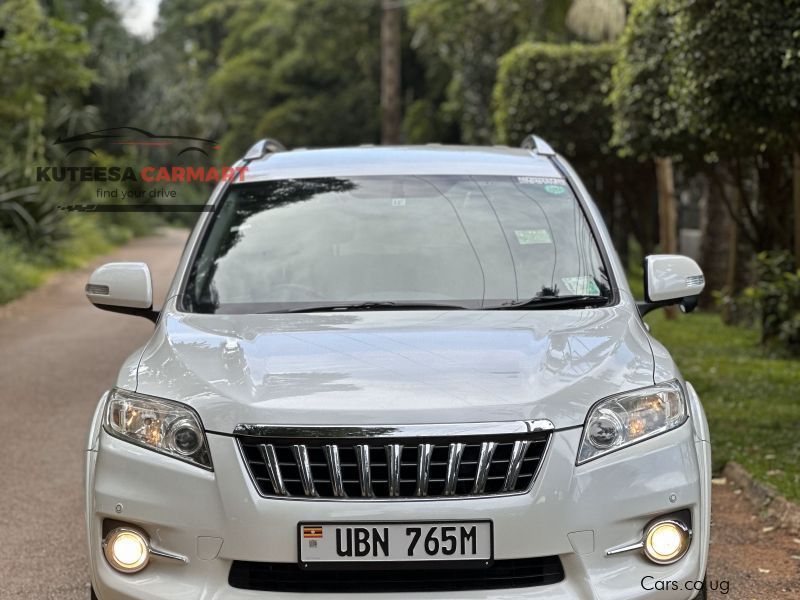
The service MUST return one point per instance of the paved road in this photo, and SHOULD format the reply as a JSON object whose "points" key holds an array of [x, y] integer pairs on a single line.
{"points": [[58, 354]]}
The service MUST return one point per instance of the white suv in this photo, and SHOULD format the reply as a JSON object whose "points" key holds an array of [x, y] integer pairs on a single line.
{"points": [[408, 370]]}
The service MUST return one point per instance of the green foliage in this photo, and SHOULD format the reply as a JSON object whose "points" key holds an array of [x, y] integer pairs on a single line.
{"points": [[737, 79], [558, 91], [40, 57], [23, 267], [773, 302], [303, 72], [41, 66], [750, 398], [645, 117], [460, 42]]}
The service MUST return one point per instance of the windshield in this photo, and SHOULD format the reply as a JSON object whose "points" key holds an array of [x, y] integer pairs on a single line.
{"points": [[463, 241]]}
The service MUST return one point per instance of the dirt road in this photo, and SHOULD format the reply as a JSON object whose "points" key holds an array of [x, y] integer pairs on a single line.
{"points": [[58, 354]]}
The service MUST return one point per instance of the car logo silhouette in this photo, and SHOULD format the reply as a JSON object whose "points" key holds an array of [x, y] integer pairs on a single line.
{"points": [[134, 136]]}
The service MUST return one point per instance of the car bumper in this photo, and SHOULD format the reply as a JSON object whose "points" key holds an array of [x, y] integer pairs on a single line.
{"points": [[577, 513]]}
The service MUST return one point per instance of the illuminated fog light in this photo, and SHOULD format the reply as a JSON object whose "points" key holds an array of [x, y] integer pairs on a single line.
{"points": [[127, 550], [666, 541]]}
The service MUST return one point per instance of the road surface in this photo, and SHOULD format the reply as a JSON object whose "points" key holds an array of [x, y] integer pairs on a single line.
{"points": [[58, 354]]}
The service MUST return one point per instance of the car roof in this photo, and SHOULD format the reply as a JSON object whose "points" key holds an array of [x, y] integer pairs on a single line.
{"points": [[432, 159]]}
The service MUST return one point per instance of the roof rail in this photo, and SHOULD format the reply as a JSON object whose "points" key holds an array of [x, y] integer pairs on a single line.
{"points": [[263, 147], [537, 145]]}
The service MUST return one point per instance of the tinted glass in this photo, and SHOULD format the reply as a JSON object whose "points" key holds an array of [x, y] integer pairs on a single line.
{"points": [[472, 241]]}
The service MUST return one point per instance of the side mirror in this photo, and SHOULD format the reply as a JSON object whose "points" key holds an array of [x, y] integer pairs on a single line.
{"points": [[671, 279], [123, 287]]}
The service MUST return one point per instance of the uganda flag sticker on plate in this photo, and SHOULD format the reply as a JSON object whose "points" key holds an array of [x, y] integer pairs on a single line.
{"points": [[312, 532]]}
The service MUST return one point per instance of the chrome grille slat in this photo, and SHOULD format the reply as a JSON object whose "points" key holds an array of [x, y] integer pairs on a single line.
{"points": [[332, 458], [393, 453], [424, 452], [364, 473], [517, 454], [306, 477], [487, 451], [396, 468], [271, 462], [453, 465]]}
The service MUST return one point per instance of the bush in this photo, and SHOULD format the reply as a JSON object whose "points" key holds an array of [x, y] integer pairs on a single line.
{"points": [[645, 111], [24, 264], [774, 301], [559, 92]]}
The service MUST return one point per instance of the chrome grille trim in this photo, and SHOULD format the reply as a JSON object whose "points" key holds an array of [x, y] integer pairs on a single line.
{"points": [[364, 474], [339, 466], [304, 465], [453, 466], [424, 452], [517, 454], [271, 461], [335, 469], [393, 452], [484, 460], [393, 431]]}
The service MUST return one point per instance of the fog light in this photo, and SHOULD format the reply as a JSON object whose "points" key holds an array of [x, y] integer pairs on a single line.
{"points": [[666, 541], [127, 550]]}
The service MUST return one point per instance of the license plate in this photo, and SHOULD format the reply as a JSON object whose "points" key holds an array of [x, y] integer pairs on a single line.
{"points": [[467, 542]]}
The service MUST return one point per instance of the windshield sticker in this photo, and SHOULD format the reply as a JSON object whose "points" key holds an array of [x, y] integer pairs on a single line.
{"points": [[542, 180], [527, 237], [554, 189], [581, 286]]}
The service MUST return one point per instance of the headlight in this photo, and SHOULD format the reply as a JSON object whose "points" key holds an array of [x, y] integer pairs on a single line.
{"points": [[165, 426], [625, 419]]}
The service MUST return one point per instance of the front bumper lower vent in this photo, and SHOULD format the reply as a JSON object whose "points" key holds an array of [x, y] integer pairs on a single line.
{"points": [[502, 574], [416, 461]]}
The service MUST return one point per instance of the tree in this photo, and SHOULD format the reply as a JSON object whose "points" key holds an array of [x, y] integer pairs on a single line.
{"points": [[462, 41], [738, 88], [644, 113], [558, 91], [306, 81], [42, 64]]}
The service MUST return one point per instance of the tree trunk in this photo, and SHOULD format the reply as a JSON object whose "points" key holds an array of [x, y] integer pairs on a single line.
{"points": [[714, 223], [796, 194], [390, 72], [667, 213]]}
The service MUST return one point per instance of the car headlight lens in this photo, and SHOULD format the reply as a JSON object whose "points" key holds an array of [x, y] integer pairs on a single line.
{"points": [[165, 426], [625, 419]]}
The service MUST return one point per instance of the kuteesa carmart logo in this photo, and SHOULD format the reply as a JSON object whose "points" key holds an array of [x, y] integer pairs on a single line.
{"points": [[86, 144]]}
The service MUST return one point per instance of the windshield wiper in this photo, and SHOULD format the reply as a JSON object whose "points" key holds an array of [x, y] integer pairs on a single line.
{"points": [[373, 306], [544, 302]]}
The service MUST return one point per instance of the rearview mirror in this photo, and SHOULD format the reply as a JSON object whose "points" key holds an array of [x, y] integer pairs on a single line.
{"points": [[123, 287], [671, 279]]}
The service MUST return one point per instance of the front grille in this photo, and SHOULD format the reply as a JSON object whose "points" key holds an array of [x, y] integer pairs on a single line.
{"points": [[502, 574], [403, 465]]}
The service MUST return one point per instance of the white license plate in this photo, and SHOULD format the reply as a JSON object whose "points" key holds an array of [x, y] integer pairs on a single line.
{"points": [[395, 542]]}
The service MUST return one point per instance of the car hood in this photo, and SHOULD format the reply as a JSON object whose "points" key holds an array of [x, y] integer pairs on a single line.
{"points": [[391, 368]]}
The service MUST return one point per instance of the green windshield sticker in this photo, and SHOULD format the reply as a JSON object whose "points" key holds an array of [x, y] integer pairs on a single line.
{"points": [[556, 190], [582, 286], [527, 237]]}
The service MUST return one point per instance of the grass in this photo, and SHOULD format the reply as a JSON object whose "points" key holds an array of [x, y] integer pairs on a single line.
{"points": [[752, 399], [22, 267]]}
